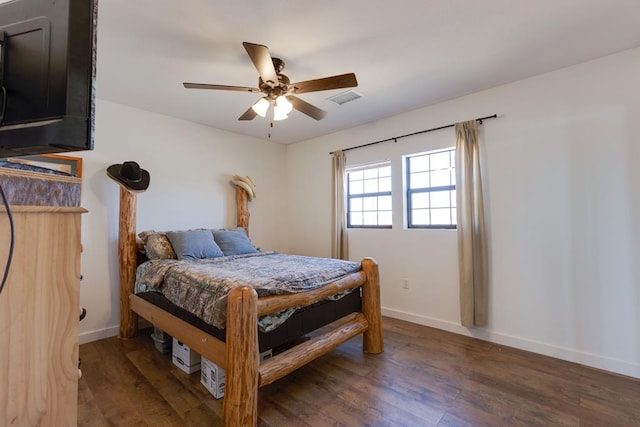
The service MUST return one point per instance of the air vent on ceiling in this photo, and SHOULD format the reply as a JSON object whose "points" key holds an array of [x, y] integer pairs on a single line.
{"points": [[345, 97]]}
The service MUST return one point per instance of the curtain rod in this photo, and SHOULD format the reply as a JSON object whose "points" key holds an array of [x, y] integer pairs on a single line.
{"points": [[480, 119]]}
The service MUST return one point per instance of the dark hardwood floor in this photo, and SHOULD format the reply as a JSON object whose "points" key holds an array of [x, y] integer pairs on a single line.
{"points": [[426, 377]]}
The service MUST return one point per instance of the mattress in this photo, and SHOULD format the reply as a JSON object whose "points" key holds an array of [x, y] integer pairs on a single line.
{"points": [[201, 286], [302, 322]]}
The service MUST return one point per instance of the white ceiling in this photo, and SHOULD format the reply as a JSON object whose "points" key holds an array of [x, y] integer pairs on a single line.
{"points": [[406, 54]]}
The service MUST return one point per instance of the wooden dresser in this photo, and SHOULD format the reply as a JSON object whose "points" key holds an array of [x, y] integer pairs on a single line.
{"points": [[39, 317]]}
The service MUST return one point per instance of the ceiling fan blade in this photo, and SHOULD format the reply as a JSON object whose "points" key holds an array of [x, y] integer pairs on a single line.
{"points": [[334, 82], [248, 115], [261, 59], [306, 108], [221, 87]]}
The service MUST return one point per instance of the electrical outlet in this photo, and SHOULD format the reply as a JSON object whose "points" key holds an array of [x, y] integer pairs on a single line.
{"points": [[405, 283]]}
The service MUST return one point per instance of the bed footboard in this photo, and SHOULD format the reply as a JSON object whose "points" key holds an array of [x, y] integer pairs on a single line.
{"points": [[244, 372]]}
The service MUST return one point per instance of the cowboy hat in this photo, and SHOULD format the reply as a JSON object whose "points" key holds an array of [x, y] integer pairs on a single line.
{"points": [[130, 176], [246, 183]]}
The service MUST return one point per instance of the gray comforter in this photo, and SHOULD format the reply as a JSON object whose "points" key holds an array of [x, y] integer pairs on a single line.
{"points": [[201, 286]]}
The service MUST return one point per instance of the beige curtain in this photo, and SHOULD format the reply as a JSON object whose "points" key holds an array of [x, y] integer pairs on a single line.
{"points": [[339, 242], [472, 247]]}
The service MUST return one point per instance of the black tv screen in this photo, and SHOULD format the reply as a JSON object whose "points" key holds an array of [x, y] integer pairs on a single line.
{"points": [[47, 76]]}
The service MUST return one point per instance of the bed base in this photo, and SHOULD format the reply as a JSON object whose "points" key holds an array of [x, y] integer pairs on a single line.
{"points": [[239, 355]]}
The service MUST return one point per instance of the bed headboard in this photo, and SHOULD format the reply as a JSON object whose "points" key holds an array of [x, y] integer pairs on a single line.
{"points": [[128, 251]]}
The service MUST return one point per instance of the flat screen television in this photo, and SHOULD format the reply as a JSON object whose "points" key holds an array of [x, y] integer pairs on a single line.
{"points": [[47, 76]]}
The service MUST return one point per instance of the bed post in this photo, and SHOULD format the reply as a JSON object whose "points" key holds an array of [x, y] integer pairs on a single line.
{"points": [[372, 337], [242, 209], [127, 259], [240, 406]]}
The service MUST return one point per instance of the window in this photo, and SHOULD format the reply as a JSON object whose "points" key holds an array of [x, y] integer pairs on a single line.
{"points": [[431, 189], [369, 197]]}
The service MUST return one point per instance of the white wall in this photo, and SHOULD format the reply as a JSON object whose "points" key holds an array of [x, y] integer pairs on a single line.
{"points": [[190, 167], [562, 189]]}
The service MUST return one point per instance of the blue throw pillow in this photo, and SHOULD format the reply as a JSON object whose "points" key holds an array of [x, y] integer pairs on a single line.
{"points": [[234, 242], [194, 244]]}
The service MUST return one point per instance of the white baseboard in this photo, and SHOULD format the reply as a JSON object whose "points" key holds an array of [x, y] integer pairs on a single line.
{"points": [[112, 331], [90, 336], [572, 355]]}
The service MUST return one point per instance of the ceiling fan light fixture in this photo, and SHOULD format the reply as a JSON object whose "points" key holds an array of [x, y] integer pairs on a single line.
{"points": [[261, 107], [283, 104], [279, 113]]}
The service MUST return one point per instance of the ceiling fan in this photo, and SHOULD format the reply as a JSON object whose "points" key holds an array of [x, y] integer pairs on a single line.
{"points": [[277, 89]]}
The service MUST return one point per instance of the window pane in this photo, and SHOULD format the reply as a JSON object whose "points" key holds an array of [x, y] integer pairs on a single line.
{"points": [[384, 218], [370, 204], [418, 164], [420, 216], [384, 184], [356, 187], [356, 218], [419, 200], [440, 178], [384, 171], [370, 218], [440, 160], [453, 176], [454, 218], [370, 173], [453, 198], [371, 185], [356, 175], [440, 199], [384, 203], [356, 204], [419, 180], [441, 216]]}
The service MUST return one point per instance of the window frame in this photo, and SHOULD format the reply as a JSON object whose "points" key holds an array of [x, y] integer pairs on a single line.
{"points": [[409, 192], [349, 196]]}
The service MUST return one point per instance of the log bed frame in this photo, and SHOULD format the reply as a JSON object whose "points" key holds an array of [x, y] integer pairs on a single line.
{"points": [[239, 354]]}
